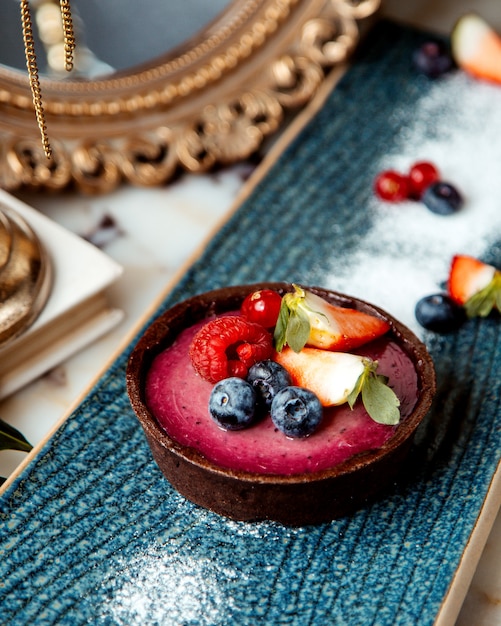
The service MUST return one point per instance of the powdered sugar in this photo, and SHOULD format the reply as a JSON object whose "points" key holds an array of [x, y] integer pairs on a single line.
{"points": [[407, 252]]}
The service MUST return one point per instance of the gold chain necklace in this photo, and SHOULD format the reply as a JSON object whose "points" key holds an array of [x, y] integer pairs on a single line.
{"points": [[31, 61]]}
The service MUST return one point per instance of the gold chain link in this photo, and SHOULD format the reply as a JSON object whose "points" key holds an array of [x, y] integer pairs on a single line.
{"points": [[69, 36], [31, 62]]}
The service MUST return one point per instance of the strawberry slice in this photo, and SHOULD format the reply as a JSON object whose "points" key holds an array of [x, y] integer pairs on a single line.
{"points": [[330, 375], [476, 47], [308, 319], [339, 377], [475, 285]]}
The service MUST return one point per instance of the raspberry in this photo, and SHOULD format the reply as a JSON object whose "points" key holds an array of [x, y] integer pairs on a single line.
{"points": [[227, 346]]}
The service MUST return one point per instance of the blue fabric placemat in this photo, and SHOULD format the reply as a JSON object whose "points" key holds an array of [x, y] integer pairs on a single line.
{"points": [[91, 531]]}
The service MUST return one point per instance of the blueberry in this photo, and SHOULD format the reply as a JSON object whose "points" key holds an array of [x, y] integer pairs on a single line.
{"points": [[296, 411], [439, 313], [442, 198], [232, 403], [267, 378], [433, 58]]}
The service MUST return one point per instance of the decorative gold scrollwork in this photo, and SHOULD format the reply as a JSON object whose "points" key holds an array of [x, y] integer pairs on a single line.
{"points": [[96, 167], [26, 163], [296, 79], [149, 161], [215, 103]]}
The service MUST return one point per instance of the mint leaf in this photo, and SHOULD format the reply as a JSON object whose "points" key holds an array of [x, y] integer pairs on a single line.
{"points": [[12, 439], [355, 392], [380, 401], [279, 335], [293, 324], [298, 330], [488, 298], [481, 304]]}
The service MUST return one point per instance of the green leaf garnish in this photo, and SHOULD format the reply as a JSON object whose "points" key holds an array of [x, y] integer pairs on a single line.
{"points": [[379, 400], [298, 331], [12, 439], [355, 392], [281, 327], [293, 326], [485, 300]]}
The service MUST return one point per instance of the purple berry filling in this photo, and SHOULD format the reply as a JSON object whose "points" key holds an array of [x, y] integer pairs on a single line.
{"points": [[178, 398]]}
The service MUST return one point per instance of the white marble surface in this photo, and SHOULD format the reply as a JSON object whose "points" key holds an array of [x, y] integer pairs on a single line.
{"points": [[153, 234]]}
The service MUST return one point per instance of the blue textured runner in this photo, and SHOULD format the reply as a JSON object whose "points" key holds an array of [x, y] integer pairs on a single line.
{"points": [[92, 533]]}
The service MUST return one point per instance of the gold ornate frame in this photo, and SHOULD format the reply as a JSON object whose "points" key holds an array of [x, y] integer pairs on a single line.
{"points": [[212, 101]]}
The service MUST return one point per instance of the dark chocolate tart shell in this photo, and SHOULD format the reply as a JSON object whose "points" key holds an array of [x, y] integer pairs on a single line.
{"points": [[294, 500]]}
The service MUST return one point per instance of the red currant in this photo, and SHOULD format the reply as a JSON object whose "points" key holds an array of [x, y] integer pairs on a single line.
{"points": [[262, 307], [421, 176], [391, 186]]}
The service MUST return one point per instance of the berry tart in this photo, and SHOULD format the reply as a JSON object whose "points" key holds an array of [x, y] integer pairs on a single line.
{"points": [[279, 402]]}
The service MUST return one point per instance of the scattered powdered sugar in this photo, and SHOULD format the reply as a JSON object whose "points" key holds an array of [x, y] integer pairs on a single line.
{"points": [[407, 252], [155, 589]]}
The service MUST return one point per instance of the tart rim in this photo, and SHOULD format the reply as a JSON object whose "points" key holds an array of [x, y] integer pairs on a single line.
{"points": [[163, 330]]}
